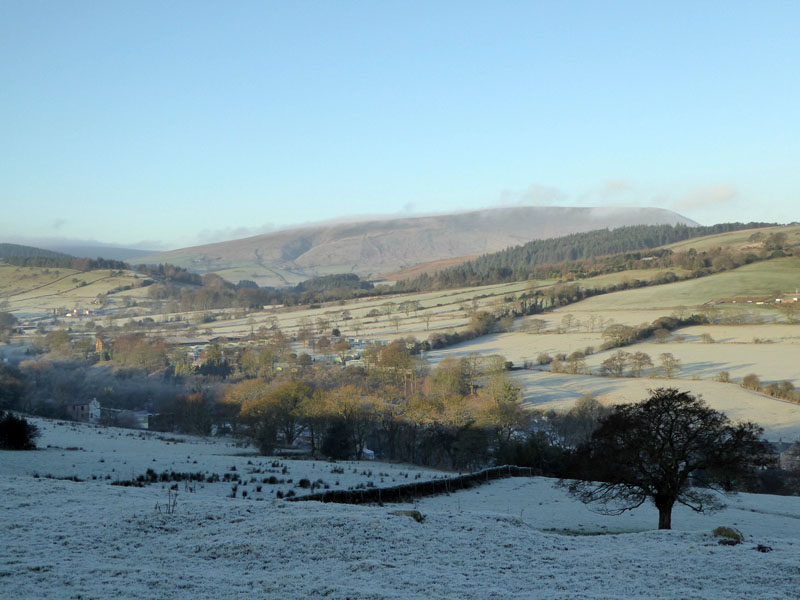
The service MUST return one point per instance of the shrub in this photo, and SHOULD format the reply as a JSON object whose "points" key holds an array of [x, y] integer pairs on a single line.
{"points": [[751, 382], [16, 433], [723, 377], [728, 533]]}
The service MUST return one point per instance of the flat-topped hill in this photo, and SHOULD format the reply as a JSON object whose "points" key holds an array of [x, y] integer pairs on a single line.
{"points": [[372, 248]]}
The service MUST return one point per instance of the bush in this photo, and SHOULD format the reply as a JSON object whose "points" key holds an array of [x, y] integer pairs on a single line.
{"points": [[723, 377], [751, 382], [16, 433], [728, 533]]}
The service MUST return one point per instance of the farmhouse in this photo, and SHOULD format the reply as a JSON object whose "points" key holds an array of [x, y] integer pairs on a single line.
{"points": [[87, 411], [790, 458]]}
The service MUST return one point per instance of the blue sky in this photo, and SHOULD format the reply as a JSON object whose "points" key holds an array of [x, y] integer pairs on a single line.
{"points": [[167, 124]]}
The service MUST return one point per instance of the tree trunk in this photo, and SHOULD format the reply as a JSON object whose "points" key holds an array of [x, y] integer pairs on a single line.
{"points": [[664, 505]]}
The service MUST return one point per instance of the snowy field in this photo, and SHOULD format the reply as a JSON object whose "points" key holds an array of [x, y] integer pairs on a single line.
{"points": [[773, 358], [558, 391], [515, 538]]}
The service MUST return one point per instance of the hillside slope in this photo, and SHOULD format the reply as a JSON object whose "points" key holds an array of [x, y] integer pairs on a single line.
{"points": [[515, 539], [19, 251], [372, 248]]}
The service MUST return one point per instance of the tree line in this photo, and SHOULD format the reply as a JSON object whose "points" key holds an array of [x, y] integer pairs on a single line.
{"points": [[18, 251], [576, 255], [66, 262]]}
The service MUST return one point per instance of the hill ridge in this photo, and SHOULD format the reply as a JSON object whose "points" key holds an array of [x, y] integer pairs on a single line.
{"points": [[373, 247]]}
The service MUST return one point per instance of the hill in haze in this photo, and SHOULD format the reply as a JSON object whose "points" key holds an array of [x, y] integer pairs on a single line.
{"points": [[109, 252], [374, 248], [20, 251]]}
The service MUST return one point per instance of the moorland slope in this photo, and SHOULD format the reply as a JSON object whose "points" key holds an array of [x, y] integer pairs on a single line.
{"points": [[372, 248]]}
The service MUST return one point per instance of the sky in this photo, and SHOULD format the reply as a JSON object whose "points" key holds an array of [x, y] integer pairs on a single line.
{"points": [[168, 124]]}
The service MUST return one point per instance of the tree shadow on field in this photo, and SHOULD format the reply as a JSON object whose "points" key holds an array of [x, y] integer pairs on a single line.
{"points": [[558, 388], [711, 369]]}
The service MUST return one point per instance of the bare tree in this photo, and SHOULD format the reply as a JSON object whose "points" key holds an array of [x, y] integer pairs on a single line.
{"points": [[669, 364], [639, 361], [537, 325], [655, 449], [790, 310], [396, 320], [615, 364], [576, 363]]}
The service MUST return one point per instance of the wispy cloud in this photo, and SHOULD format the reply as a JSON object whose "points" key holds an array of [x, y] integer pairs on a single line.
{"points": [[210, 236], [612, 192], [533, 195], [714, 196], [616, 186], [150, 245], [59, 223]]}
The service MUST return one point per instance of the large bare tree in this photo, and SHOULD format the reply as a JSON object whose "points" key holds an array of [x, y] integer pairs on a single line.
{"points": [[660, 449]]}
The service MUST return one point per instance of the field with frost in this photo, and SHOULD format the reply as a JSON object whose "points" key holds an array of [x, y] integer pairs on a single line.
{"points": [[515, 538]]}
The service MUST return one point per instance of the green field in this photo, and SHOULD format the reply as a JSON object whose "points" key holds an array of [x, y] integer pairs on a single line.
{"points": [[19, 280], [33, 290], [603, 281], [757, 279], [734, 239]]}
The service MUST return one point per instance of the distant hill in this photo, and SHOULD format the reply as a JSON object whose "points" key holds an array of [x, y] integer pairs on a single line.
{"points": [[109, 252], [19, 251], [376, 247]]}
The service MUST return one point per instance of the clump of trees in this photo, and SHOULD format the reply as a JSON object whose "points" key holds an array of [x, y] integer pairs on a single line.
{"points": [[618, 335], [456, 416], [189, 291], [784, 390], [63, 261], [549, 442]]}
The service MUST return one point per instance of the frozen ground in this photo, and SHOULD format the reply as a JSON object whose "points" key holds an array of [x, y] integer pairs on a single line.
{"points": [[773, 358], [517, 538], [779, 418]]}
